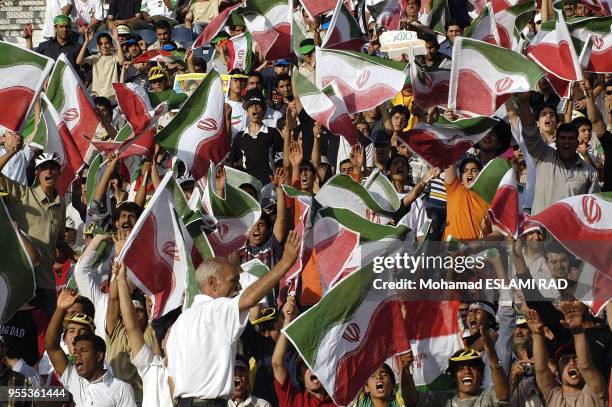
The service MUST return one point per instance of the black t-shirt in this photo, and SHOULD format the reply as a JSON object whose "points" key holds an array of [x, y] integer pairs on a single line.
{"points": [[256, 154], [123, 9], [606, 144], [53, 49]]}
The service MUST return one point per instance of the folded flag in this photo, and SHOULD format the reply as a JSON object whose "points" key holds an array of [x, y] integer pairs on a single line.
{"points": [[197, 134], [364, 81], [343, 32], [510, 23], [316, 7], [598, 28], [154, 55], [580, 224], [325, 107], [162, 273], [269, 21], [429, 85], [72, 101], [216, 24], [488, 180], [17, 285], [445, 142], [23, 74], [240, 52], [504, 210], [554, 51], [484, 27], [483, 76], [387, 13]]}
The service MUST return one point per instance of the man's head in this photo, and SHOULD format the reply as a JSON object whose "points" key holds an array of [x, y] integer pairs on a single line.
{"points": [[399, 117], [241, 378], [123, 33], [163, 32], [48, 167], [453, 29], [468, 170], [104, 107], [497, 140], [82, 305], [268, 323], [534, 239], [547, 118], [133, 45], [522, 333], [238, 81], [139, 302], [381, 384], [283, 86], [255, 81], [237, 29], [219, 278], [258, 234], [399, 169], [157, 79], [306, 176], [412, 9], [432, 46], [581, 10], [74, 325], [61, 25], [307, 378], [89, 352], [584, 127], [382, 145], [255, 106], [566, 141], [480, 313], [126, 214], [567, 367], [306, 49], [558, 259], [467, 371], [569, 7], [346, 167], [281, 66], [187, 184]]}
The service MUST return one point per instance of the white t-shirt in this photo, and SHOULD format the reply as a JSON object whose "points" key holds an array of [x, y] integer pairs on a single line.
{"points": [[157, 8], [16, 167], [52, 10], [155, 388], [85, 9], [106, 391], [201, 347]]}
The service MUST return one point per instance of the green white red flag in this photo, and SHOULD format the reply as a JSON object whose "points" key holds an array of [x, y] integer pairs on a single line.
{"points": [[488, 180], [484, 76], [58, 140], [444, 142], [388, 12], [161, 273], [554, 51], [154, 55], [598, 28], [72, 101], [325, 107], [510, 23], [504, 209], [197, 134], [316, 7], [364, 81], [269, 21], [345, 337], [580, 223], [235, 215], [17, 285], [343, 32], [240, 52], [484, 27], [22, 76], [215, 25], [429, 85]]}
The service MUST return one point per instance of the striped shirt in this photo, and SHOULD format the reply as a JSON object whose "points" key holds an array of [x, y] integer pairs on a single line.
{"points": [[9, 378]]}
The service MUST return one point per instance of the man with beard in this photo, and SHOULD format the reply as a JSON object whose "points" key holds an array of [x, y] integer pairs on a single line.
{"points": [[63, 42], [312, 393], [560, 172], [467, 371], [581, 382], [84, 376], [242, 395], [523, 388], [215, 322], [40, 213]]}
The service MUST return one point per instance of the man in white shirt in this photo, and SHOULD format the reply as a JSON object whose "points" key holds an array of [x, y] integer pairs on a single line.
{"points": [[201, 348], [85, 377]]}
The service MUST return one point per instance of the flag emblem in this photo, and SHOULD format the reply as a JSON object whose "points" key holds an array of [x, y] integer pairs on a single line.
{"points": [[208, 124], [363, 78], [597, 41], [169, 248], [591, 209], [503, 84], [352, 332], [70, 114]]}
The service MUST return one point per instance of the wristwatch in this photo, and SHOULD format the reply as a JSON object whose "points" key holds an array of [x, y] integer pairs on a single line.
{"points": [[496, 365], [577, 330]]}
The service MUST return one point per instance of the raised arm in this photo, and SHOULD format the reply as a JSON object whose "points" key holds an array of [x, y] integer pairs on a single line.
{"points": [[113, 310], [54, 331], [102, 186], [280, 224], [420, 186], [409, 391], [141, 194], [256, 291], [573, 312], [544, 377], [282, 343], [87, 40], [118, 50], [500, 381], [128, 313], [599, 127]]}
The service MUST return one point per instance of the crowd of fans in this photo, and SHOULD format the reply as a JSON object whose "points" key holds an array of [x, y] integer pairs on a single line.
{"points": [[99, 342]]}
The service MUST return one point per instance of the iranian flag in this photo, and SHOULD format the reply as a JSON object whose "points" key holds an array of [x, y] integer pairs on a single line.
{"points": [[22, 76], [58, 140], [162, 272], [580, 223], [325, 107], [484, 27], [72, 101], [364, 81], [444, 142], [488, 180], [343, 32], [598, 28], [345, 337], [316, 7], [440, 14], [197, 134], [510, 23], [239, 49], [235, 215], [500, 5], [154, 55], [215, 25], [388, 12], [504, 210], [554, 51], [382, 190], [484, 76], [269, 21], [17, 285], [429, 85]]}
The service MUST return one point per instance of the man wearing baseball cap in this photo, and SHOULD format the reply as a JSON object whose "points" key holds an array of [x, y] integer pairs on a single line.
{"points": [[40, 212], [242, 396], [307, 51]]}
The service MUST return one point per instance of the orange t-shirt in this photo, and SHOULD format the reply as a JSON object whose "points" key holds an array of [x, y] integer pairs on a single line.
{"points": [[466, 213]]}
